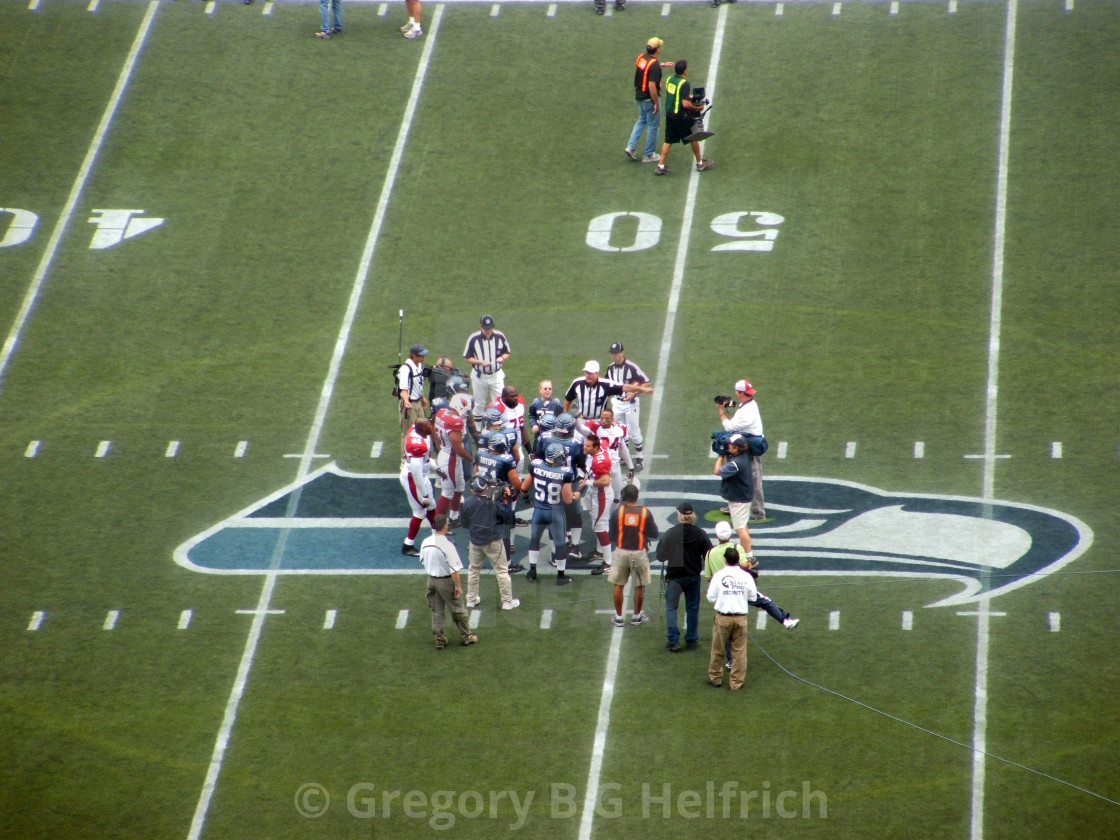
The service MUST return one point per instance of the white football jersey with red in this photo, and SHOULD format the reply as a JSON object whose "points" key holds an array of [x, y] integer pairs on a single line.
{"points": [[611, 439], [512, 418]]}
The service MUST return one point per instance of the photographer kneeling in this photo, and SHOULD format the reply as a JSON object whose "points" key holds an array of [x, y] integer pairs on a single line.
{"points": [[681, 112], [737, 487]]}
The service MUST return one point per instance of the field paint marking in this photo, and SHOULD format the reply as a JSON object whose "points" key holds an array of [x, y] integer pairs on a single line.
{"points": [[111, 620], [598, 748], [919, 449], [32, 449], [665, 9], [546, 619], [476, 616], [783, 449], [1056, 449], [210, 7], [241, 448], [36, 620], [495, 10], [609, 11], [1069, 5], [779, 9], [328, 619], [92, 7], [907, 620], [76, 191], [375, 452], [850, 449], [836, 10], [760, 620], [172, 449], [382, 9], [402, 619], [952, 7], [834, 620], [267, 10], [33, 6], [260, 611], [551, 10], [185, 619], [1055, 620], [103, 449], [980, 705], [894, 7]]}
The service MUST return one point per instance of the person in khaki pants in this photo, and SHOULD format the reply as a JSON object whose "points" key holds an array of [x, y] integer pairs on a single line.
{"points": [[730, 591], [441, 561], [484, 519]]}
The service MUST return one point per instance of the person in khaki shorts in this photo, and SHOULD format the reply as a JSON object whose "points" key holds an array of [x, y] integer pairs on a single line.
{"points": [[632, 528]]}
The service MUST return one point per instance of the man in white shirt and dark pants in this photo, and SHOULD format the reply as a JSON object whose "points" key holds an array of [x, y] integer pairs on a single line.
{"points": [[441, 561], [731, 590]]}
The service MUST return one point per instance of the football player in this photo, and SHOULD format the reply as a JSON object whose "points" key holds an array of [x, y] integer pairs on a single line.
{"points": [[416, 482], [550, 483], [614, 437], [601, 494], [453, 455]]}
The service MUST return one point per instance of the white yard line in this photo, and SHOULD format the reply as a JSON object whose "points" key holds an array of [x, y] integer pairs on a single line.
{"points": [[79, 185], [983, 620], [262, 610], [599, 743]]}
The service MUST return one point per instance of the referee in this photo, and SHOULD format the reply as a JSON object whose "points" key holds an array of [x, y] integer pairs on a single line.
{"points": [[487, 350], [589, 392]]}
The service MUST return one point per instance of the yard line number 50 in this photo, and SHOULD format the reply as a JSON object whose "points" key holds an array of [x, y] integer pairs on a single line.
{"points": [[750, 230]]}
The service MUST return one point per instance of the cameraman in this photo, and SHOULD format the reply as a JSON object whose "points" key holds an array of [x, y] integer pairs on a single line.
{"points": [[410, 389], [487, 521], [747, 421], [680, 113], [737, 487]]}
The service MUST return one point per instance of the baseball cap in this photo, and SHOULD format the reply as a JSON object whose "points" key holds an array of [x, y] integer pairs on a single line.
{"points": [[724, 531], [685, 507], [487, 321], [744, 386], [616, 347], [654, 43], [418, 350], [737, 439], [478, 484], [591, 367]]}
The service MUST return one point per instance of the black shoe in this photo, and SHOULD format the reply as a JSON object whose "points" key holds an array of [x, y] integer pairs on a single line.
{"points": [[713, 684], [575, 554], [520, 523], [639, 465], [410, 550], [562, 579], [532, 575], [515, 568], [601, 570], [673, 647], [620, 7], [692, 645]]}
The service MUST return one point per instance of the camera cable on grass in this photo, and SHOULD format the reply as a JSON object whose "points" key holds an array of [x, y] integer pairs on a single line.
{"points": [[913, 725]]}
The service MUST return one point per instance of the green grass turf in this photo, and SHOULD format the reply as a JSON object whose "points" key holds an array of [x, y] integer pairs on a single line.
{"points": [[266, 151]]}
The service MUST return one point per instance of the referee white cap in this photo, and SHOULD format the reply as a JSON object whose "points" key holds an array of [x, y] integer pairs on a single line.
{"points": [[591, 367]]}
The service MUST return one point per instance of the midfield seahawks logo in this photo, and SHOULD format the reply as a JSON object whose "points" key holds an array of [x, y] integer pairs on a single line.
{"points": [[335, 522]]}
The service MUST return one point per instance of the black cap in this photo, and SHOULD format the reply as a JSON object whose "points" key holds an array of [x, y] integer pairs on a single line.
{"points": [[685, 507], [616, 347], [418, 350], [487, 322]]}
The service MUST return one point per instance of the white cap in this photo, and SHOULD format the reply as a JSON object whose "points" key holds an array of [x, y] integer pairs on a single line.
{"points": [[591, 367], [724, 531]]}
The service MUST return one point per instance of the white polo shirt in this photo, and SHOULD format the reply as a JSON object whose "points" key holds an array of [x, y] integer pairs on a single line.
{"points": [[439, 557]]}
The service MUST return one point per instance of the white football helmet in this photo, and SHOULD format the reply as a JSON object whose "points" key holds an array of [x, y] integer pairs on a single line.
{"points": [[461, 404]]}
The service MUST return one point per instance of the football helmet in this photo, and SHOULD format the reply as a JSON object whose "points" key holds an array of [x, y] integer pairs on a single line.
{"points": [[458, 385], [565, 424], [496, 443], [555, 454], [461, 404], [493, 416]]}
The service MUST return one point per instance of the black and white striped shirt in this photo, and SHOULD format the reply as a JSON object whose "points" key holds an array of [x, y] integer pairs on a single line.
{"points": [[627, 373], [590, 400], [487, 349]]}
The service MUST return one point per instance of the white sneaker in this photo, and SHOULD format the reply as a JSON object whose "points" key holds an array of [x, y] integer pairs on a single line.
{"points": [[407, 26], [640, 618], [473, 604], [511, 605], [414, 33], [651, 159], [791, 622]]}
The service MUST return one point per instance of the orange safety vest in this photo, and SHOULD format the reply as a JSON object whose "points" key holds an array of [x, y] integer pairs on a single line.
{"points": [[630, 518], [643, 63]]}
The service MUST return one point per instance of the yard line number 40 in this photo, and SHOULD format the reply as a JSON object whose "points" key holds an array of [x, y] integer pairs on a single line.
{"points": [[749, 230]]}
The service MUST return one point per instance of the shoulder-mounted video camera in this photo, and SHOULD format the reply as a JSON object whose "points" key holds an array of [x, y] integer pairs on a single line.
{"points": [[697, 96], [726, 402]]}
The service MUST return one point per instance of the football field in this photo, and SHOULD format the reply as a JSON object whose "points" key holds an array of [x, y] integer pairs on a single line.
{"points": [[216, 233]]}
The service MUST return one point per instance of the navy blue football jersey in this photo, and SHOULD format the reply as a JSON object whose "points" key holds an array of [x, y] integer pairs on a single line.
{"points": [[548, 484], [494, 468]]}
